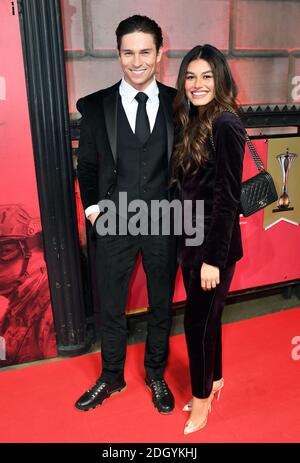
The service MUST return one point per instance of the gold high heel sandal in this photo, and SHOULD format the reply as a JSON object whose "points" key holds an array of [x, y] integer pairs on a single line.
{"points": [[188, 406], [193, 427]]}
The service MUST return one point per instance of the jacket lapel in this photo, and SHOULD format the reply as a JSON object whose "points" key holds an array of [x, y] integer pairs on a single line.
{"points": [[110, 104], [167, 104]]}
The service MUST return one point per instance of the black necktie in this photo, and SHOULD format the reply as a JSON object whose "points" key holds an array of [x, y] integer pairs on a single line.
{"points": [[142, 127]]}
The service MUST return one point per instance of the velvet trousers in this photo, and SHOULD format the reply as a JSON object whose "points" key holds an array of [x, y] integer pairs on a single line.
{"points": [[203, 328]]}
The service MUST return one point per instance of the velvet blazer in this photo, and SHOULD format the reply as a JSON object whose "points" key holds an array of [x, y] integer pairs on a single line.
{"points": [[218, 183]]}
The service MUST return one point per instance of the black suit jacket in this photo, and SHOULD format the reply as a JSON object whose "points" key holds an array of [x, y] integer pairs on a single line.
{"points": [[219, 184], [97, 161]]}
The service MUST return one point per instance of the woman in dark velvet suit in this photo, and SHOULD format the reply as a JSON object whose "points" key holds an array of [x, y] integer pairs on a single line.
{"points": [[208, 160]]}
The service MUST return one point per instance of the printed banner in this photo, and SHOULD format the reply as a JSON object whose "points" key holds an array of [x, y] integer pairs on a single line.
{"points": [[26, 322], [284, 166]]}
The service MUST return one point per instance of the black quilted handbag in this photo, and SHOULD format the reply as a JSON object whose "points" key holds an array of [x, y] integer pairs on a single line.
{"points": [[258, 191]]}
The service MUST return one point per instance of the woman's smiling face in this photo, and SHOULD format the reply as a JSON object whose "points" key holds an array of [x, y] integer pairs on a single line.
{"points": [[199, 83]]}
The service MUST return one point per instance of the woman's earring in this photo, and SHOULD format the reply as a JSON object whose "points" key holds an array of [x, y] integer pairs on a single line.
{"points": [[188, 104]]}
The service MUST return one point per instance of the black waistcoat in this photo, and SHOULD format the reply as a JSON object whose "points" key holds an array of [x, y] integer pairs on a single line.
{"points": [[142, 169]]}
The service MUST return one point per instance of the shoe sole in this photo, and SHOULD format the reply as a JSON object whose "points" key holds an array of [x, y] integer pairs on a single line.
{"points": [[95, 406], [162, 413]]}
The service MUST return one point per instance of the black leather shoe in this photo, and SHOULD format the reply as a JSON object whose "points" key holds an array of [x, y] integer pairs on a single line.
{"points": [[162, 397], [98, 393]]}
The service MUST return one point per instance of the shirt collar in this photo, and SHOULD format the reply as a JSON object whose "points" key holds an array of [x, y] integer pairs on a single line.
{"points": [[126, 90]]}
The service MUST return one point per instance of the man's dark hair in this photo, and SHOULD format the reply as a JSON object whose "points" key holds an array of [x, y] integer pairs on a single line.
{"points": [[139, 23]]}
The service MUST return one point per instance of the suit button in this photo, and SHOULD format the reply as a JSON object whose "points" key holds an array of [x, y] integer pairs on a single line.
{"points": [[108, 193], [115, 171]]}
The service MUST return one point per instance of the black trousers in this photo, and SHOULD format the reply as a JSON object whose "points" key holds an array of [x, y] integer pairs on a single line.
{"points": [[115, 260], [203, 329]]}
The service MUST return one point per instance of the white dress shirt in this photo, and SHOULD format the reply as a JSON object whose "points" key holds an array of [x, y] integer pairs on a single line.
{"points": [[130, 105]]}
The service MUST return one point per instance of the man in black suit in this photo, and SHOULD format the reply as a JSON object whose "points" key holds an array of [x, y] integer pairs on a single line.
{"points": [[125, 146]]}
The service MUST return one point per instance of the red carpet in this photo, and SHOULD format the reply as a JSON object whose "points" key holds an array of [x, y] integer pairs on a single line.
{"points": [[259, 403]]}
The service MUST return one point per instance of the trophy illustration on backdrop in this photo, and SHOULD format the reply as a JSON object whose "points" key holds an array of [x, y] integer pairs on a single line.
{"points": [[285, 161]]}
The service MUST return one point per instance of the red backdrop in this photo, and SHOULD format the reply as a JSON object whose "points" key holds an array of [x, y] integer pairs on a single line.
{"points": [[26, 322], [270, 256]]}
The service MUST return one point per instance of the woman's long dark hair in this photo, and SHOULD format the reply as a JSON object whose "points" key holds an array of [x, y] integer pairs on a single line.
{"points": [[193, 124]]}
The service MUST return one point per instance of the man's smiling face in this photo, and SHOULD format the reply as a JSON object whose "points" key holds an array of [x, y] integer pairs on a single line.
{"points": [[139, 59]]}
